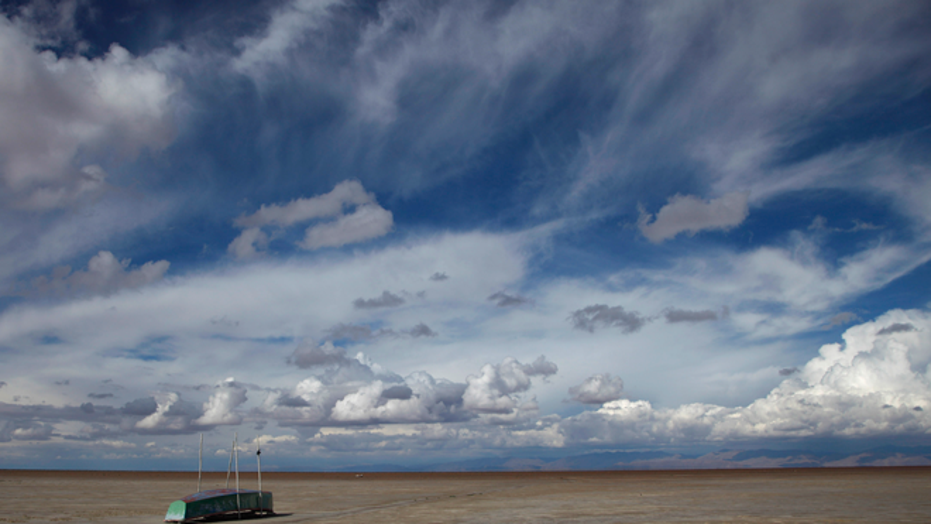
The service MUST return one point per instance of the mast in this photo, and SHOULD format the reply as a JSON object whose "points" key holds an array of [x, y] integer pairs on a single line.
{"points": [[229, 468], [200, 461], [236, 447], [258, 458]]}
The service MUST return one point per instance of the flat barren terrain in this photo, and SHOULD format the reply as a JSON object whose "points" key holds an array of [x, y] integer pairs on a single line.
{"points": [[784, 495]]}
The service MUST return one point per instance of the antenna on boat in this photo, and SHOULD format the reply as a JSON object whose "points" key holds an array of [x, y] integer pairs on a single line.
{"points": [[258, 458], [200, 461], [236, 448], [229, 468]]}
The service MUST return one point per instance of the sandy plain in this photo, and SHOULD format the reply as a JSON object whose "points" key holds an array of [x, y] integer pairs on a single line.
{"points": [[770, 496]]}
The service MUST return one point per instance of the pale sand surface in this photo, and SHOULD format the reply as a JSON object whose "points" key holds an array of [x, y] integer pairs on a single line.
{"points": [[801, 495]]}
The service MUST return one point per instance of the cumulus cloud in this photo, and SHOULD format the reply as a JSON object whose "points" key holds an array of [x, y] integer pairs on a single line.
{"points": [[218, 410], [868, 386], [384, 399], [687, 213], [598, 389], [171, 415], [32, 430], [493, 391], [367, 220], [57, 111], [104, 275], [600, 315], [142, 407], [503, 299], [387, 299]]}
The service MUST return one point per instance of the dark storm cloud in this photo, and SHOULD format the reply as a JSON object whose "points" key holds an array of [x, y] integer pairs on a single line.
{"points": [[600, 315], [439, 277], [32, 430], [292, 402], [502, 299], [785, 372], [87, 413], [896, 328], [387, 299], [400, 392], [140, 407]]}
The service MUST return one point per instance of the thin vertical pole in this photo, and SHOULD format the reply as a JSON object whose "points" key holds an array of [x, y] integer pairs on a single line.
{"points": [[258, 458], [229, 468], [200, 461], [236, 447]]}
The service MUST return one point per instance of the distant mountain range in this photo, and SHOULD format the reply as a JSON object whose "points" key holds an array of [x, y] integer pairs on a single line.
{"points": [[652, 460]]}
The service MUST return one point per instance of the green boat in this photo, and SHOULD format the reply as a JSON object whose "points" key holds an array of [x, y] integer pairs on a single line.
{"points": [[218, 502]]}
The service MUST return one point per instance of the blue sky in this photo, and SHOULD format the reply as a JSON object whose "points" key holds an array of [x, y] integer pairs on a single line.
{"points": [[408, 231]]}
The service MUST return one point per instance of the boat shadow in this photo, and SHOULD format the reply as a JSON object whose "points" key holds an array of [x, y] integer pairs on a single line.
{"points": [[241, 516]]}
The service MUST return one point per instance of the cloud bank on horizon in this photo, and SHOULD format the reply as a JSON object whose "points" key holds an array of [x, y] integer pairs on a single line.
{"points": [[426, 231]]}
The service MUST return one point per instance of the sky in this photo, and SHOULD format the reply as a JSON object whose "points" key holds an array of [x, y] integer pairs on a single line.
{"points": [[412, 232]]}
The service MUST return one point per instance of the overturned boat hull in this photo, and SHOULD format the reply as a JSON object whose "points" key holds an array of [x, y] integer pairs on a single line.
{"points": [[219, 502]]}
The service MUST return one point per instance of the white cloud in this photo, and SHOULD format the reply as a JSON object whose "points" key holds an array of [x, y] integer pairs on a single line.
{"points": [[332, 204], [166, 419], [368, 220], [289, 25], [218, 410], [492, 391], [244, 246], [598, 389], [52, 108], [872, 385], [795, 279], [687, 213]]}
